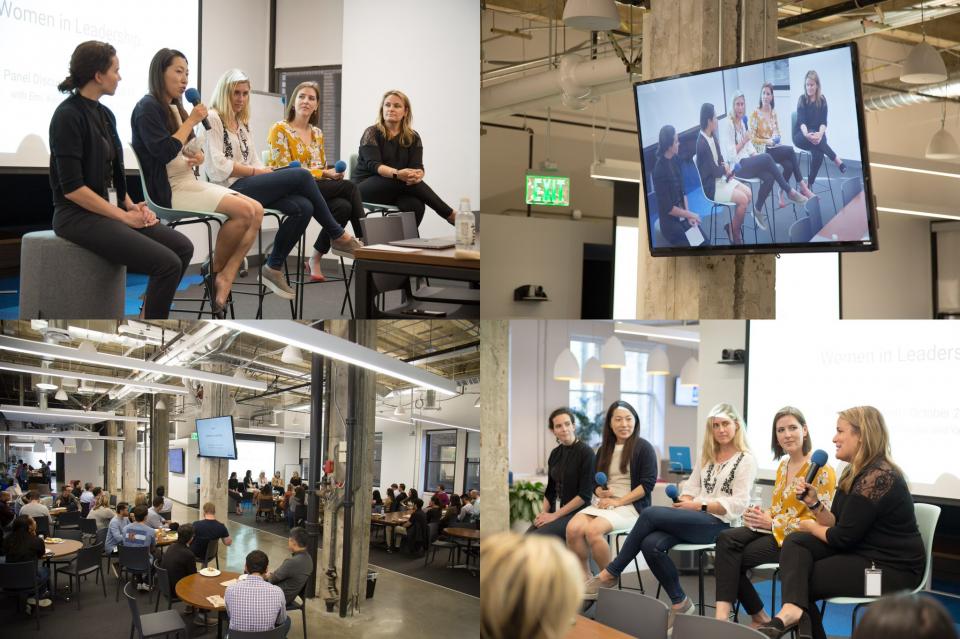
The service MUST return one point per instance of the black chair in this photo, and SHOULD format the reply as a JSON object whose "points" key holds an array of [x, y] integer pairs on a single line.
{"points": [[275, 633], [213, 549], [87, 561], [69, 520], [74, 534], [433, 530], [813, 212], [167, 515], [299, 515], [801, 230], [43, 526], [154, 624], [113, 501], [265, 508], [132, 560], [163, 587], [21, 580], [301, 606], [88, 526]]}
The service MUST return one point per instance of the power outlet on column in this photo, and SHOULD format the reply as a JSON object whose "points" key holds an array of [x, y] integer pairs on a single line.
{"points": [[342, 452]]}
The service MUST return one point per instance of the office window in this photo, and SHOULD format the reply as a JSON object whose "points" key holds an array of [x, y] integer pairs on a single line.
{"points": [[587, 399], [471, 471], [645, 393], [377, 457], [440, 460]]}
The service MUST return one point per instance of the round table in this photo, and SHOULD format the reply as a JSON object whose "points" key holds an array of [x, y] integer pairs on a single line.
{"points": [[64, 548], [471, 535], [194, 590]]}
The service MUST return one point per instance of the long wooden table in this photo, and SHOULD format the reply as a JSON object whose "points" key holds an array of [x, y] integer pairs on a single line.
{"points": [[440, 264], [194, 590], [586, 628], [471, 535]]}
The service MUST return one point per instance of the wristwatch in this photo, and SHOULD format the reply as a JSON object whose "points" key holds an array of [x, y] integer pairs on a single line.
{"points": [[703, 508], [816, 506], [396, 175]]}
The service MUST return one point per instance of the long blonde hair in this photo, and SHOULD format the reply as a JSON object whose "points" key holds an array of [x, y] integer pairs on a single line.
{"points": [[292, 105], [530, 587], [818, 97], [103, 500], [708, 451], [222, 101], [406, 129], [869, 424]]}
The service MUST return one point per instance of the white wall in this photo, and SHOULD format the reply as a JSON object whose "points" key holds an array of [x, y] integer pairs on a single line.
{"points": [[287, 451], [85, 466], [182, 487], [235, 34], [718, 382], [309, 33], [430, 50]]}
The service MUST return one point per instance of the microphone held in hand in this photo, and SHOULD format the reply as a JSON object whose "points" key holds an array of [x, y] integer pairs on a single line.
{"points": [[340, 166], [193, 97], [818, 460], [601, 479], [673, 493]]}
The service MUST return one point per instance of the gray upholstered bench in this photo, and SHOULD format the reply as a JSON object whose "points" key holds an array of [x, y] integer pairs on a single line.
{"points": [[59, 279]]}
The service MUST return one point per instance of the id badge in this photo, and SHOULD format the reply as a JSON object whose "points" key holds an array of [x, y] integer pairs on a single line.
{"points": [[871, 582], [112, 196]]}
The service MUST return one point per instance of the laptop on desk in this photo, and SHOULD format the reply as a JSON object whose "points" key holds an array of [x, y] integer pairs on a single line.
{"points": [[426, 243]]}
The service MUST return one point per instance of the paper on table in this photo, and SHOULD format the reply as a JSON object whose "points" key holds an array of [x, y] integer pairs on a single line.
{"points": [[694, 236], [228, 583], [395, 249], [216, 600]]}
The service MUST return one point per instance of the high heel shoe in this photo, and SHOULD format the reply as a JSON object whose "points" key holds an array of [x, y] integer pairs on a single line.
{"points": [[842, 167], [314, 277], [775, 628], [218, 311]]}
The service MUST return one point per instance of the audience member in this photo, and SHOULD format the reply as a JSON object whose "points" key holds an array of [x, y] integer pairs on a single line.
{"points": [[102, 513], [918, 616], [6, 512], [154, 519], [167, 504], [34, 508], [253, 604], [442, 496], [206, 530], [115, 529], [178, 560], [67, 500], [377, 503], [294, 571], [22, 544]]}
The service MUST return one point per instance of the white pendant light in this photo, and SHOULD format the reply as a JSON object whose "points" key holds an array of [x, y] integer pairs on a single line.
{"points": [[39, 447], [399, 411], [87, 347], [612, 354], [477, 403], [291, 355], [61, 395], [942, 145], [592, 372], [690, 373], [924, 64], [86, 446], [56, 445], [70, 445], [160, 405], [566, 368], [658, 363], [591, 15]]}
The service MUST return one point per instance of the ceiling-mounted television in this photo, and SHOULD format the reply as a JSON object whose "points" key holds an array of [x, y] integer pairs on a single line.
{"points": [[215, 437], [768, 156]]}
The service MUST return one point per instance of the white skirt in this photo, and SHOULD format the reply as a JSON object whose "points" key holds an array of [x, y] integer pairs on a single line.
{"points": [[190, 194], [621, 517], [724, 190]]}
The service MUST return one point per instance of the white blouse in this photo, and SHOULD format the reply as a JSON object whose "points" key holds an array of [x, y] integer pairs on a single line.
{"points": [[730, 138], [224, 147], [728, 483]]}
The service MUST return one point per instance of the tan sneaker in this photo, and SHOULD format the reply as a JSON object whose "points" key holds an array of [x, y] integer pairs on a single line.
{"points": [[688, 609], [346, 246], [276, 282]]}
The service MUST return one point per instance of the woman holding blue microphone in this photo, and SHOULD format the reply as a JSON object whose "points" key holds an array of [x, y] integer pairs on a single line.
{"points": [[626, 473], [765, 132]]}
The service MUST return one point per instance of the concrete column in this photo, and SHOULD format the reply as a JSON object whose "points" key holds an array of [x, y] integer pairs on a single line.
{"points": [[494, 420], [128, 489], [160, 443], [111, 476], [213, 472], [681, 37], [366, 333]]}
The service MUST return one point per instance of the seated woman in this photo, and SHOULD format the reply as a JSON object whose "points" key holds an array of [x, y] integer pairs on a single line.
{"points": [[170, 153], [91, 206], [452, 514], [672, 209], [714, 497], [516, 566], [871, 523], [748, 163], [569, 477], [390, 167], [765, 132], [717, 176], [759, 541], [277, 481], [376, 504], [630, 464], [299, 138], [22, 544], [810, 129]]}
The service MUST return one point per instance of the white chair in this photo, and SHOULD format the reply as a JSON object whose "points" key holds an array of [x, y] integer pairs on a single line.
{"points": [[617, 534], [927, 516], [701, 550]]}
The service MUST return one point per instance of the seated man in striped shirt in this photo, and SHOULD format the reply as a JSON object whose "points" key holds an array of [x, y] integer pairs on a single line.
{"points": [[255, 605]]}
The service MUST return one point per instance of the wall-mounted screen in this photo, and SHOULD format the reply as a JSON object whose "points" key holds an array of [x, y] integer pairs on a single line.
{"points": [[175, 460], [216, 438]]}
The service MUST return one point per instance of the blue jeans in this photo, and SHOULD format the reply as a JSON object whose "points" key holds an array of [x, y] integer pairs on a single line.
{"points": [[659, 529], [294, 193]]}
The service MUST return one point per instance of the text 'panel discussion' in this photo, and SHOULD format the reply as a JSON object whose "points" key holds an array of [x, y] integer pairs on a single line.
{"points": [[240, 478], [242, 158], [814, 141], [728, 479]]}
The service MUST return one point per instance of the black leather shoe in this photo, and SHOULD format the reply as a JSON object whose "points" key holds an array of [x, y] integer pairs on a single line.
{"points": [[775, 628]]}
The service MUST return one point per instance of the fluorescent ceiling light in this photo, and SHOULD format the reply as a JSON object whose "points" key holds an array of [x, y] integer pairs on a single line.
{"points": [[941, 216], [17, 345], [430, 421], [395, 421], [297, 434], [659, 332], [63, 415], [309, 339], [19, 445], [910, 169], [617, 171]]}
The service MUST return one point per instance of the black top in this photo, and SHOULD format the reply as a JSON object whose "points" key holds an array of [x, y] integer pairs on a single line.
{"points": [[295, 481], [6, 513], [179, 562], [417, 532], [69, 502], [204, 531], [570, 474], [434, 515], [450, 517], [709, 170], [85, 150], [155, 146], [233, 484], [644, 467], [23, 548], [375, 150], [811, 114], [668, 187], [876, 520]]}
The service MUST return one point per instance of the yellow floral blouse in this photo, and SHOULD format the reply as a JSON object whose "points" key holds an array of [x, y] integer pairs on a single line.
{"points": [[786, 510], [763, 129], [286, 146]]}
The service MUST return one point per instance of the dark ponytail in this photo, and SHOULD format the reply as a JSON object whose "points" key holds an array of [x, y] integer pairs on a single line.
{"points": [[88, 59]]}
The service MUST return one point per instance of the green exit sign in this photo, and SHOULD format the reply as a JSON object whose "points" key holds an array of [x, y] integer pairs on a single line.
{"points": [[548, 190], [193, 436]]}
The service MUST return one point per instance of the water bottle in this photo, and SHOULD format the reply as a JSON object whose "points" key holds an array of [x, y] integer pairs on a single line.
{"points": [[465, 226]]}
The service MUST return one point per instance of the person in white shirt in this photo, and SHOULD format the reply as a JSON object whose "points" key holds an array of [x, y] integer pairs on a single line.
{"points": [[34, 508], [87, 497], [167, 504], [712, 500], [154, 519]]}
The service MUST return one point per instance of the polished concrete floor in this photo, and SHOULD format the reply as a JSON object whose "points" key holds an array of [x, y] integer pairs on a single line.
{"points": [[401, 605]]}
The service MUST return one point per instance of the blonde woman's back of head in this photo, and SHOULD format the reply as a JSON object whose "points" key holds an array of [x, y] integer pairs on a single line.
{"points": [[530, 587]]}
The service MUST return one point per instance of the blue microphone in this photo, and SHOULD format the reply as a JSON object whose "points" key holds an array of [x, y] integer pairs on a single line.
{"points": [[193, 97], [818, 460], [295, 164], [601, 479], [673, 493], [340, 166], [745, 124]]}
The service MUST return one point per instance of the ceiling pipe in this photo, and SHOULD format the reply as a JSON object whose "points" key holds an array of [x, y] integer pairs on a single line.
{"points": [[826, 12]]}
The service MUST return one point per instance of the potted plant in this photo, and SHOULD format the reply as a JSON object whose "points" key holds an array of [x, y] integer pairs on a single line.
{"points": [[526, 500], [588, 430]]}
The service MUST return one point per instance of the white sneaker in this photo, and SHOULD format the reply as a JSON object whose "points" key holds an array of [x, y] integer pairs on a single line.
{"points": [[276, 282], [689, 609], [591, 588], [760, 217], [797, 197], [143, 586]]}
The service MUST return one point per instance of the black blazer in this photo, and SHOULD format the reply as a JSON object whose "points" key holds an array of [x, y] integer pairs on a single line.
{"points": [[644, 467], [155, 146], [570, 472], [709, 170]]}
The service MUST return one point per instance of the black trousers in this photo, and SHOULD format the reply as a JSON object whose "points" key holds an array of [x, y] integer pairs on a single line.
{"points": [[763, 166], [343, 198], [810, 570], [159, 251], [817, 151], [407, 198], [738, 550], [785, 156]]}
